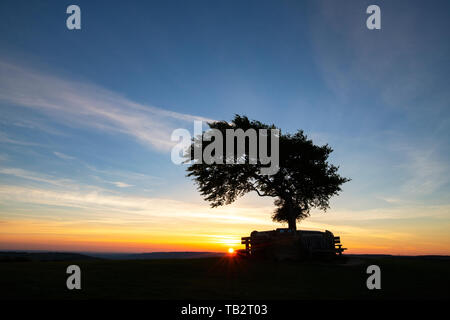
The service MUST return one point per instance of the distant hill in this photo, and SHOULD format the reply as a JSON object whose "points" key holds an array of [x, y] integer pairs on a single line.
{"points": [[389, 256], [8, 256], [12, 256], [157, 255], [17, 256]]}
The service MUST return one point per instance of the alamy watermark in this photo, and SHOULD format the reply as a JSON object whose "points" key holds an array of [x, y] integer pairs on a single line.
{"points": [[374, 280], [373, 22], [74, 280], [231, 149], [73, 22]]}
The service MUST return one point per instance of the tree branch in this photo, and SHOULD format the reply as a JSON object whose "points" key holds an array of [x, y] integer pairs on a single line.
{"points": [[259, 193]]}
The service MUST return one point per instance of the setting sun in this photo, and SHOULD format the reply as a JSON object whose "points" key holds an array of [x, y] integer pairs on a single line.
{"points": [[230, 250]]}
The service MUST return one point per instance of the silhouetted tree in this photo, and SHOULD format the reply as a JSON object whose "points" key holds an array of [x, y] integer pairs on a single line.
{"points": [[305, 179]]}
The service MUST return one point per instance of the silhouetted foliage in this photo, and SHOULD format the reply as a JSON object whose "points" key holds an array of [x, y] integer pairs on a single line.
{"points": [[305, 179]]}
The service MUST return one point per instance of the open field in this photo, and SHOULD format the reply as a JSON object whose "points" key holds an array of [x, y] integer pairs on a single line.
{"points": [[228, 278]]}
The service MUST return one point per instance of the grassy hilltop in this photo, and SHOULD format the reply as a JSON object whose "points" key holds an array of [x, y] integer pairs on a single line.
{"points": [[228, 278]]}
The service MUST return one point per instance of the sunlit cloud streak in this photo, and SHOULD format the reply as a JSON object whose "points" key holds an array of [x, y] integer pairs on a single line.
{"points": [[76, 103], [126, 206]]}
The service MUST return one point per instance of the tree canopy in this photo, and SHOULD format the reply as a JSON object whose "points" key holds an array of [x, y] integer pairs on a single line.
{"points": [[305, 178]]}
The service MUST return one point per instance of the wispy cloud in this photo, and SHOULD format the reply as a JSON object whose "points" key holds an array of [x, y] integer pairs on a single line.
{"points": [[123, 174], [121, 184], [427, 171], [29, 175], [80, 104], [405, 212], [7, 139], [63, 156], [124, 179], [395, 64], [32, 124]]}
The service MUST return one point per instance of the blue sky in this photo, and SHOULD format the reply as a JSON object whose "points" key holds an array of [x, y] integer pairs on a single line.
{"points": [[86, 115]]}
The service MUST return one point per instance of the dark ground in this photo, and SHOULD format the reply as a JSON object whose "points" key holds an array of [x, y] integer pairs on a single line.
{"points": [[228, 278]]}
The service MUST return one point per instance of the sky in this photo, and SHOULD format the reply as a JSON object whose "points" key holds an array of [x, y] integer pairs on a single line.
{"points": [[86, 118]]}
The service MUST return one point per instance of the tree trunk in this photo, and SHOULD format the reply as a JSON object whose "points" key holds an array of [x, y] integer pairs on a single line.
{"points": [[292, 223], [292, 219]]}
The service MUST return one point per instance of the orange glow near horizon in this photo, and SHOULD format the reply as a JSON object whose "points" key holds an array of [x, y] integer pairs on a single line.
{"points": [[87, 245], [204, 236]]}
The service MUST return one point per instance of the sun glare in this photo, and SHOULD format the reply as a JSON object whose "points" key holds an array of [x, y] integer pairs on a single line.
{"points": [[230, 250]]}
